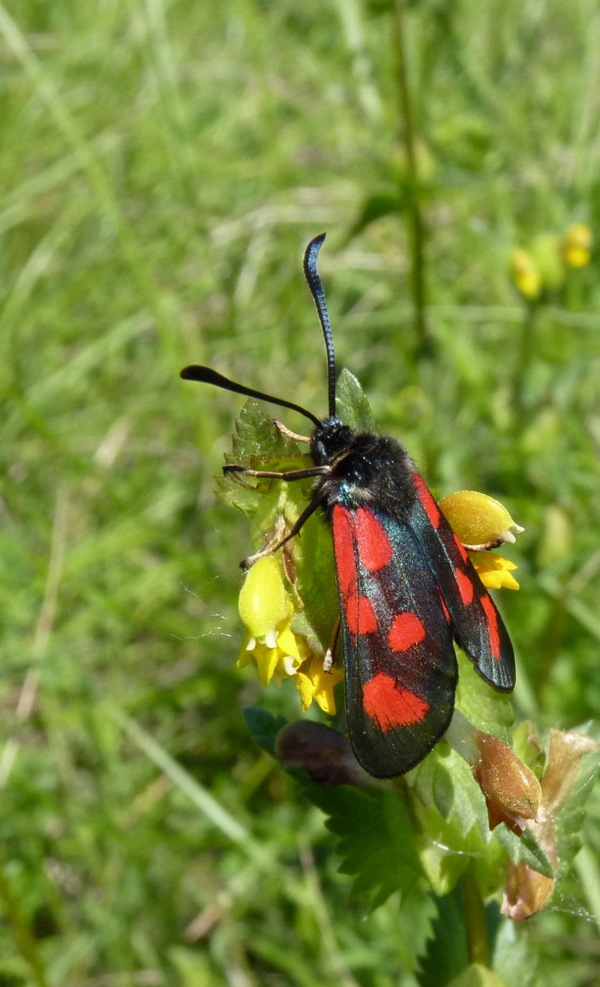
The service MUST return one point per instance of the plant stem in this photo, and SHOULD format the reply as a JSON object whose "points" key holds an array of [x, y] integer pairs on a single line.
{"points": [[475, 926], [24, 937], [531, 316], [415, 218]]}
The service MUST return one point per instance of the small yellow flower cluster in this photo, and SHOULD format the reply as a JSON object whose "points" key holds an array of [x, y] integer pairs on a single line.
{"points": [[577, 245], [543, 265], [266, 611]]}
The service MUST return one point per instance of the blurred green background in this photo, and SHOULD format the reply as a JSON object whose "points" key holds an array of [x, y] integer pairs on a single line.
{"points": [[162, 166]]}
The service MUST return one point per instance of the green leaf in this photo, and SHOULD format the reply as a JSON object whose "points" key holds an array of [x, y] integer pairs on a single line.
{"points": [[377, 206], [259, 444], [447, 951], [571, 815], [256, 435], [316, 583], [263, 727], [453, 818], [476, 975], [525, 849], [352, 405], [272, 507], [488, 710], [513, 959], [414, 928], [375, 839]]}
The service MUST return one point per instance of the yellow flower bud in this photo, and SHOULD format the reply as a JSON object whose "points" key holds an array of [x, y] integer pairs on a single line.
{"points": [[264, 604], [479, 521]]}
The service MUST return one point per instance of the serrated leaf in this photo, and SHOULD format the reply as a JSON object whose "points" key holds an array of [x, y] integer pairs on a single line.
{"points": [[447, 950], [256, 435], [375, 839], [258, 444], [414, 928]]}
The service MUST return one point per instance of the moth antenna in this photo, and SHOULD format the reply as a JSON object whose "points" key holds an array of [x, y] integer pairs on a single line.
{"points": [[205, 375], [313, 279]]}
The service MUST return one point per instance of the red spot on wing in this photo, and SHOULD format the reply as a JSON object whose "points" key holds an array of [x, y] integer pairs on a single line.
{"points": [[445, 609], [374, 546], [425, 496], [343, 543], [465, 586], [492, 624], [358, 537], [388, 705], [360, 616], [407, 629]]}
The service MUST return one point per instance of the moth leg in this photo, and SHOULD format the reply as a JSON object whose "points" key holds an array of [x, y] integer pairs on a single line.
{"points": [[269, 474], [275, 544]]}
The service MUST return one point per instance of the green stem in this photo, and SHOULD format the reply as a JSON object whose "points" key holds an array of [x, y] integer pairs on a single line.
{"points": [[528, 330], [24, 937], [475, 925], [415, 218]]}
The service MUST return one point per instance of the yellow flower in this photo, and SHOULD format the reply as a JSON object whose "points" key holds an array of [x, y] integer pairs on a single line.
{"points": [[577, 245], [314, 683], [525, 274], [266, 610], [494, 571]]}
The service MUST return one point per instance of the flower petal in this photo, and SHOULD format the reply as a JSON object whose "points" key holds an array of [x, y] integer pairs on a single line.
{"points": [[314, 683], [291, 645], [494, 570]]}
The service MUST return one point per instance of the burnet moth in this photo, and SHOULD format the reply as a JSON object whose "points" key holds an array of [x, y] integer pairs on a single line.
{"points": [[407, 589]]}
